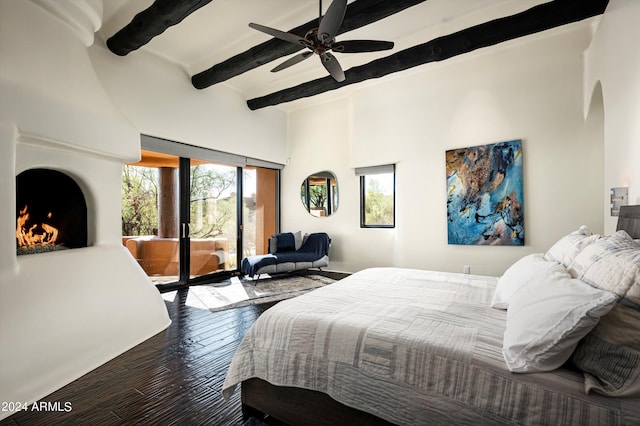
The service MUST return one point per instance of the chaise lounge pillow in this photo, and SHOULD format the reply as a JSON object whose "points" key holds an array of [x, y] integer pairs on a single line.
{"points": [[610, 355], [547, 318], [567, 247], [517, 275], [285, 241]]}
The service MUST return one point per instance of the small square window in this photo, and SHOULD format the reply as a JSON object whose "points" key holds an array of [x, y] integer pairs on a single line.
{"points": [[377, 199]]}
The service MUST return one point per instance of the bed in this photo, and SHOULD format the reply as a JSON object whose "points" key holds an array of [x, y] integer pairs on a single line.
{"points": [[408, 347]]}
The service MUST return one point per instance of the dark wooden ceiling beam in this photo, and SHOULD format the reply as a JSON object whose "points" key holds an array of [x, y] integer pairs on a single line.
{"points": [[539, 18], [358, 14], [151, 22]]}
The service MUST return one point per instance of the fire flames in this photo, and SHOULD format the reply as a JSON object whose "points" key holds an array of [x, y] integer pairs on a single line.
{"points": [[39, 234]]}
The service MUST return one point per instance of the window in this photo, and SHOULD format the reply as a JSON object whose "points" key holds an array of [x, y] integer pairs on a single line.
{"points": [[377, 196]]}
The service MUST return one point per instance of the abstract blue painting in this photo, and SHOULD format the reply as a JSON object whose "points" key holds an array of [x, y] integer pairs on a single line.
{"points": [[485, 204]]}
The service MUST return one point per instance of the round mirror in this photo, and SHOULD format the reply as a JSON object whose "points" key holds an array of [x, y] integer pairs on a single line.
{"points": [[319, 194]]}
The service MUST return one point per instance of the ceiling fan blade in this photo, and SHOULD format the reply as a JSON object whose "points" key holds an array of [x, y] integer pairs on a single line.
{"points": [[332, 20], [331, 64], [292, 61], [291, 38], [356, 46]]}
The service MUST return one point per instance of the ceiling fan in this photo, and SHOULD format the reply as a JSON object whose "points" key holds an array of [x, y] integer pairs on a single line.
{"points": [[322, 40]]}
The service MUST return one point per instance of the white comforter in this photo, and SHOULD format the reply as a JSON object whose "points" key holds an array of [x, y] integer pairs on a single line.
{"points": [[412, 347]]}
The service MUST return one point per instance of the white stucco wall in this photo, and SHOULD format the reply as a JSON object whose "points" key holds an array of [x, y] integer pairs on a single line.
{"points": [[613, 60], [158, 98], [64, 313], [529, 89]]}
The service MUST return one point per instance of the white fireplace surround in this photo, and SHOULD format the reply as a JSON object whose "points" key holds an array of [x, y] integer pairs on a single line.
{"points": [[67, 312]]}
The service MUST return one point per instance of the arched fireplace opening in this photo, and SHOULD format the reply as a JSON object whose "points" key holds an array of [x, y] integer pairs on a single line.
{"points": [[51, 212]]}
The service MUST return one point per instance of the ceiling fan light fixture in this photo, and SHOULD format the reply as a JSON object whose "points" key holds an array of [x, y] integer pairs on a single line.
{"points": [[322, 40]]}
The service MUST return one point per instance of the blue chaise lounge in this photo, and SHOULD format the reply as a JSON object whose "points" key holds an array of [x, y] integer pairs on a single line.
{"points": [[283, 256]]}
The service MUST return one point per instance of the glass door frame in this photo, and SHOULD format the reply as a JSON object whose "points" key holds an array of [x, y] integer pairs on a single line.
{"points": [[184, 218], [186, 153], [184, 203]]}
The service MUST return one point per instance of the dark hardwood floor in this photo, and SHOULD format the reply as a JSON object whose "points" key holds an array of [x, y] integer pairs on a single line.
{"points": [[174, 378]]}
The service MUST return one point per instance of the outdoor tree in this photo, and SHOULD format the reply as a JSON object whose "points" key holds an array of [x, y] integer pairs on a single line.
{"points": [[378, 206], [318, 196], [213, 206], [139, 200]]}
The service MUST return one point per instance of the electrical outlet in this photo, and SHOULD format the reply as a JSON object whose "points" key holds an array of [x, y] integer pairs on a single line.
{"points": [[466, 269]]}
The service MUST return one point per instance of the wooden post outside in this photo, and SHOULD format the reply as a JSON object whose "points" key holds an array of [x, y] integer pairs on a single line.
{"points": [[168, 202]]}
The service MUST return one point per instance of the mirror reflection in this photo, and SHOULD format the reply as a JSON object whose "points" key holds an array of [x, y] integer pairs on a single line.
{"points": [[319, 194]]}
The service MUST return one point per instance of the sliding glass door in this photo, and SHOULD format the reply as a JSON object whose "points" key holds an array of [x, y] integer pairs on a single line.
{"points": [[188, 219], [213, 223]]}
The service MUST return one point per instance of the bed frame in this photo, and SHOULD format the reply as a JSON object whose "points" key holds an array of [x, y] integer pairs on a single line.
{"points": [[629, 220], [295, 406]]}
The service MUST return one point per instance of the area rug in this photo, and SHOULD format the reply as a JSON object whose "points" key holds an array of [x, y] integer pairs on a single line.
{"points": [[244, 292]]}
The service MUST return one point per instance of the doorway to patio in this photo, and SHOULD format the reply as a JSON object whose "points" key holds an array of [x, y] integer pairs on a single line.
{"points": [[189, 215]]}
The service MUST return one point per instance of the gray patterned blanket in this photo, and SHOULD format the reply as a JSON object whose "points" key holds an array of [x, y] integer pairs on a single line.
{"points": [[413, 347]]}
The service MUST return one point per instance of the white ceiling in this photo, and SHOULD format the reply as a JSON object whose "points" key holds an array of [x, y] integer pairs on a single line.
{"points": [[220, 30]]}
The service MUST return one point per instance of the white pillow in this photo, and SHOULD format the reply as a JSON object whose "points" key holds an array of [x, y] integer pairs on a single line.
{"points": [[611, 263], [567, 247], [518, 275], [547, 318]]}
